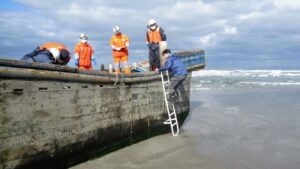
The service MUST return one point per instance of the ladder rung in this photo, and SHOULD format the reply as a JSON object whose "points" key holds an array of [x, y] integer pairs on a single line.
{"points": [[174, 124], [166, 82], [172, 113]]}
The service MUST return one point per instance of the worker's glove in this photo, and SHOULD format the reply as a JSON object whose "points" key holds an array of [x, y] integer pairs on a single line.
{"points": [[76, 62], [149, 46], [94, 62]]}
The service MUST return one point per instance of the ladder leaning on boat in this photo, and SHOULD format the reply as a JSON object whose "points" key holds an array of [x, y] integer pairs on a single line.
{"points": [[172, 121]]}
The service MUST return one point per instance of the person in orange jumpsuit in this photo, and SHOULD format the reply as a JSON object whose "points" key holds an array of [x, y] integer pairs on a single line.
{"points": [[51, 53], [119, 44], [84, 58]]}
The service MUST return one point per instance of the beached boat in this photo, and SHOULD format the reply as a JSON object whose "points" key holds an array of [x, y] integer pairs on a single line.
{"points": [[55, 116]]}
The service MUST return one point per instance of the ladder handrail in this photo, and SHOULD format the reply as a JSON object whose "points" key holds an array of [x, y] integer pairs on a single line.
{"points": [[172, 116]]}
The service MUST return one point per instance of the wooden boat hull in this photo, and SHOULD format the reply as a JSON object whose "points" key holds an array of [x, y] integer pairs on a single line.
{"points": [[63, 118]]}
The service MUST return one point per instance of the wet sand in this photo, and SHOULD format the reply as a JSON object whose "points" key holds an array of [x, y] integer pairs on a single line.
{"points": [[159, 152], [228, 129]]}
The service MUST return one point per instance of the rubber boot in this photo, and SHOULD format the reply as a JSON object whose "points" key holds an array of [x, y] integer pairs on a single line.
{"points": [[127, 70], [153, 68], [117, 71]]}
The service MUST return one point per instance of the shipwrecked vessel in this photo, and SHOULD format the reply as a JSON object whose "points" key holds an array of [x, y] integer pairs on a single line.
{"points": [[55, 116]]}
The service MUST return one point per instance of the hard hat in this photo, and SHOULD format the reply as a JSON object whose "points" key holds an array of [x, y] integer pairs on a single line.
{"points": [[116, 29], [54, 52], [83, 36], [151, 22]]}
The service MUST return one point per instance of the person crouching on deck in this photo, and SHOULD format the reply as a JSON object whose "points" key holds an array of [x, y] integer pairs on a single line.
{"points": [[51, 53], [119, 44], [177, 72], [84, 54]]}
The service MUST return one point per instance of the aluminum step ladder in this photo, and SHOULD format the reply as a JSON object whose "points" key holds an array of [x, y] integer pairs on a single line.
{"points": [[171, 113]]}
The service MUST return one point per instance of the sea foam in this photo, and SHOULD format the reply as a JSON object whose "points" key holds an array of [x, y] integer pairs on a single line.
{"points": [[252, 73], [222, 79]]}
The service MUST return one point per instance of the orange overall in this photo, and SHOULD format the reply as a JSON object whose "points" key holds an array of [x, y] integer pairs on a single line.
{"points": [[119, 41], [85, 53]]}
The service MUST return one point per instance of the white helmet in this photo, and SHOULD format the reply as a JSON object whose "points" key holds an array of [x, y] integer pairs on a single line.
{"points": [[116, 29], [151, 22], [55, 53], [83, 36]]}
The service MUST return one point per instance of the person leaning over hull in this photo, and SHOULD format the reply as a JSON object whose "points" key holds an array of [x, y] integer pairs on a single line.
{"points": [[84, 54], [52, 53], [154, 35], [119, 44], [177, 71]]}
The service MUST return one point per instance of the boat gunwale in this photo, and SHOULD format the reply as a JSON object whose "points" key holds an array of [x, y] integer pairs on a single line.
{"points": [[60, 68], [34, 74], [18, 69]]}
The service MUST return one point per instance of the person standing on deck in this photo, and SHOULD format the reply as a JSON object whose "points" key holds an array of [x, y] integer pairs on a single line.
{"points": [[51, 53], [177, 72], [154, 35], [119, 44], [84, 54]]}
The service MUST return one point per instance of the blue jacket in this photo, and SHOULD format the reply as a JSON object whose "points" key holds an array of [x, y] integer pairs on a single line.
{"points": [[174, 65], [43, 56]]}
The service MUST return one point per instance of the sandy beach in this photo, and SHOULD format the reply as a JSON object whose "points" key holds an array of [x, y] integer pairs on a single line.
{"points": [[227, 129], [159, 152]]}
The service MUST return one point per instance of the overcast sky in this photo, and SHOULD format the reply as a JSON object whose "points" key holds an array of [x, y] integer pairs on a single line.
{"points": [[235, 34]]}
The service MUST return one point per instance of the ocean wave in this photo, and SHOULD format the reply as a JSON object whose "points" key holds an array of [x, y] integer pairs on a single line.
{"points": [[247, 73], [271, 83], [200, 88]]}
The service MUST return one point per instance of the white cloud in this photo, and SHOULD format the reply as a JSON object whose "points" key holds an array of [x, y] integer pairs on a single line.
{"points": [[250, 16], [94, 13], [218, 26], [212, 38], [208, 39], [189, 10], [230, 30], [287, 4]]}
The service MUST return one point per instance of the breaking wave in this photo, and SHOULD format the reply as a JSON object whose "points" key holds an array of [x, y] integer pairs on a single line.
{"points": [[249, 73], [222, 79]]}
